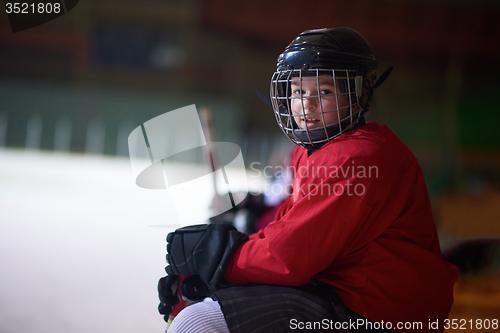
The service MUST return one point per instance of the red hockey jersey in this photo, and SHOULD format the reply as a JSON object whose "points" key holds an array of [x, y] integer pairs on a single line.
{"points": [[359, 219]]}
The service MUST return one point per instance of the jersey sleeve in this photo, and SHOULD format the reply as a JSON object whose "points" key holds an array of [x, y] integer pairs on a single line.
{"points": [[307, 236]]}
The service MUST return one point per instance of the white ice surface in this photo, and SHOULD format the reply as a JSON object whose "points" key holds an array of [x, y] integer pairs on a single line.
{"points": [[80, 246]]}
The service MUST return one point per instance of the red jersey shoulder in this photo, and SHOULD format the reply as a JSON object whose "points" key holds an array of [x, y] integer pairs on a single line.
{"points": [[372, 143]]}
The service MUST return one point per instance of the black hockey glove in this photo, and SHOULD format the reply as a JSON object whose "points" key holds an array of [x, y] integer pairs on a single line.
{"points": [[167, 292], [203, 250], [194, 289]]}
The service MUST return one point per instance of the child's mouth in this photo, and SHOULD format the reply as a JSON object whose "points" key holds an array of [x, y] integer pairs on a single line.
{"points": [[311, 122]]}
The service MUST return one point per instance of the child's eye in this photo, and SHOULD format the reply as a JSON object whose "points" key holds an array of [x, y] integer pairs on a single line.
{"points": [[298, 92], [326, 92]]}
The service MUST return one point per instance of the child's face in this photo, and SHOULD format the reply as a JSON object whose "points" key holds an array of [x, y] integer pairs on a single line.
{"points": [[306, 101]]}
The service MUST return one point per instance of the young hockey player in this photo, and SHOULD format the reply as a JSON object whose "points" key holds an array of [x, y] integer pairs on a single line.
{"points": [[354, 248]]}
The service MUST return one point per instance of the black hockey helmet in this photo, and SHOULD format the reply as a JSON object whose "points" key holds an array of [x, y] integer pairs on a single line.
{"points": [[338, 48], [339, 53]]}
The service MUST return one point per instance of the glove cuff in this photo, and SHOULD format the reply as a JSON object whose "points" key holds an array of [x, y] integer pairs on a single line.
{"points": [[235, 239]]}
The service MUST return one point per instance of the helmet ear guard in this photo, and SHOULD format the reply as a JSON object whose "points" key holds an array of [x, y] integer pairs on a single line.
{"points": [[366, 95]]}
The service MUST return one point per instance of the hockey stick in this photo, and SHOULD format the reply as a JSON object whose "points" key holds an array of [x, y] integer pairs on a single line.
{"points": [[208, 129]]}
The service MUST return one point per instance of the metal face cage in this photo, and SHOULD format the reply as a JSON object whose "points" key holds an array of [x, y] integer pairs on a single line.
{"points": [[344, 98]]}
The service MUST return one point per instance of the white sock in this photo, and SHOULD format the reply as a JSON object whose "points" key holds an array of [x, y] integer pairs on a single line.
{"points": [[206, 317]]}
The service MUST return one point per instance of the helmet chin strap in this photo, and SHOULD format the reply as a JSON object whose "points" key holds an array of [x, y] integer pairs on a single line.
{"points": [[383, 77], [313, 148], [316, 138]]}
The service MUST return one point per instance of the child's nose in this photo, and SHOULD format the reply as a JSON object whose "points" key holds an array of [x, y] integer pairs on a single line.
{"points": [[310, 103]]}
